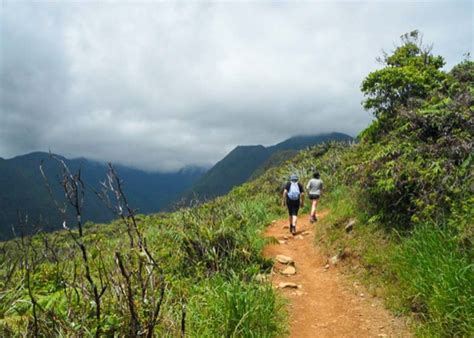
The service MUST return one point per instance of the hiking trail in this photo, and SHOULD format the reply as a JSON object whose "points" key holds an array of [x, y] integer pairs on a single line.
{"points": [[323, 303]]}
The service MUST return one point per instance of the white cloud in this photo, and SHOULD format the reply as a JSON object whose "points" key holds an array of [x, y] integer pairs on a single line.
{"points": [[162, 85]]}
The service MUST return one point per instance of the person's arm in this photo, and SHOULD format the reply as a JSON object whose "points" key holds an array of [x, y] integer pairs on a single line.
{"points": [[302, 197], [283, 201]]}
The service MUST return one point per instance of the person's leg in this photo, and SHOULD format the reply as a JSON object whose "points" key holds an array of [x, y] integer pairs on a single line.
{"points": [[290, 215], [295, 217], [315, 203], [313, 208]]}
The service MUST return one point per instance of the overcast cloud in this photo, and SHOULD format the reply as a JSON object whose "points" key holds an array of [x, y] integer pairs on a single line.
{"points": [[163, 85]]}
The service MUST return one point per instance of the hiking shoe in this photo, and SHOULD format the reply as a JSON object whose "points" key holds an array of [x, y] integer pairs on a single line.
{"points": [[293, 230], [312, 219]]}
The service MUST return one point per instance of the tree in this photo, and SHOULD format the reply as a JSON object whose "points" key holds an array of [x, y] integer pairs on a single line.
{"points": [[410, 74]]}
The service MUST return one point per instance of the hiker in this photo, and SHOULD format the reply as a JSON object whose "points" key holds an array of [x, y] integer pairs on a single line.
{"points": [[315, 189], [293, 197]]}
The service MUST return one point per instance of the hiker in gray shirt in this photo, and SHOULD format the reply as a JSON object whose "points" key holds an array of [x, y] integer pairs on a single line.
{"points": [[315, 189]]}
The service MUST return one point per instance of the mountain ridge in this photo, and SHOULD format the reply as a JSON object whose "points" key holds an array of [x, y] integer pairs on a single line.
{"points": [[222, 177], [24, 192]]}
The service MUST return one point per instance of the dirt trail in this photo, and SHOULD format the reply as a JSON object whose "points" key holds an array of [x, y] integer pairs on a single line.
{"points": [[326, 304]]}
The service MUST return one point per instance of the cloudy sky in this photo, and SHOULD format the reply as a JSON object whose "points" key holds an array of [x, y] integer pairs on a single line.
{"points": [[160, 85]]}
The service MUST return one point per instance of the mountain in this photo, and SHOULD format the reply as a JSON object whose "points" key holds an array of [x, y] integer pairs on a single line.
{"points": [[233, 169], [304, 141], [244, 162], [23, 190]]}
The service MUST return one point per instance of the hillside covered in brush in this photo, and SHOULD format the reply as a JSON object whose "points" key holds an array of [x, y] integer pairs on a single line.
{"points": [[246, 162], [407, 185]]}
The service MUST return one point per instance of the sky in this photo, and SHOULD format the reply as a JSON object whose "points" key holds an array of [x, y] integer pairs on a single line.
{"points": [[162, 85]]}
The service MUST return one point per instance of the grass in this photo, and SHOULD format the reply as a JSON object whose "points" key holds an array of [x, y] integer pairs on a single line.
{"points": [[436, 281], [236, 308], [425, 274], [211, 254]]}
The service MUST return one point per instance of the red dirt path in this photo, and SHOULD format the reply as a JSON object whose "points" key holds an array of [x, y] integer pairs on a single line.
{"points": [[326, 304]]}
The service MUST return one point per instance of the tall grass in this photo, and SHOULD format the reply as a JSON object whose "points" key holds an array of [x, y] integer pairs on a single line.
{"points": [[235, 308], [437, 281]]}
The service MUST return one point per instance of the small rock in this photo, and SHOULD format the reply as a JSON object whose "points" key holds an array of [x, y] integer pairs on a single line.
{"points": [[282, 242], [350, 225], [326, 267], [306, 233], [284, 285], [299, 293], [299, 237], [382, 335], [274, 221], [285, 227], [285, 237], [334, 260], [362, 295], [290, 270], [284, 259]]}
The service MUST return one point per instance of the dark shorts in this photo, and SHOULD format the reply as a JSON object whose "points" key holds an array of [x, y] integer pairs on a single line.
{"points": [[313, 197], [293, 207]]}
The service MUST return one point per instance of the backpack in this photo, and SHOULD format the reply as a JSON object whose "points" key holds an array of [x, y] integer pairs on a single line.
{"points": [[294, 193]]}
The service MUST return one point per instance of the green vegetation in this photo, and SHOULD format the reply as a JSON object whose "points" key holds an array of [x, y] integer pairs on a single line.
{"points": [[207, 258], [248, 162], [407, 184]]}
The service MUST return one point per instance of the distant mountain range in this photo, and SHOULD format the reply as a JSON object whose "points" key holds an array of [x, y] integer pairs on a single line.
{"points": [[23, 190], [245, 162]]}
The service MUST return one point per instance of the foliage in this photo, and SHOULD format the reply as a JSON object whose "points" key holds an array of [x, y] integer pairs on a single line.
{"points": [[214, 249], [436, 280], [412, 177], [411, 73], [415, 161]]}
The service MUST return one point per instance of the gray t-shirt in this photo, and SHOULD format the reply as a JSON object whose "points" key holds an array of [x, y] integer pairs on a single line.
{"points": [[315, 186]]}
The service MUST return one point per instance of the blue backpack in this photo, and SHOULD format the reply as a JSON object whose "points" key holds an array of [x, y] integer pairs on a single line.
{"points": [[294, 193]]}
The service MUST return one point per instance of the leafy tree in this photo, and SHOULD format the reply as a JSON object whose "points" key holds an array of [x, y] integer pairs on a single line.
{"points": [[410, 74]]}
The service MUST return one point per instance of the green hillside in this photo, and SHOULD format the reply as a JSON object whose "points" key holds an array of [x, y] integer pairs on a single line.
{"points": [[23, 190], [198, 272], [232, 170], [245, 162]]}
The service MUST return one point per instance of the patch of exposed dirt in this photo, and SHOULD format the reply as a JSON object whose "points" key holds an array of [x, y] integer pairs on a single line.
{"points": [[324, 303]]}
